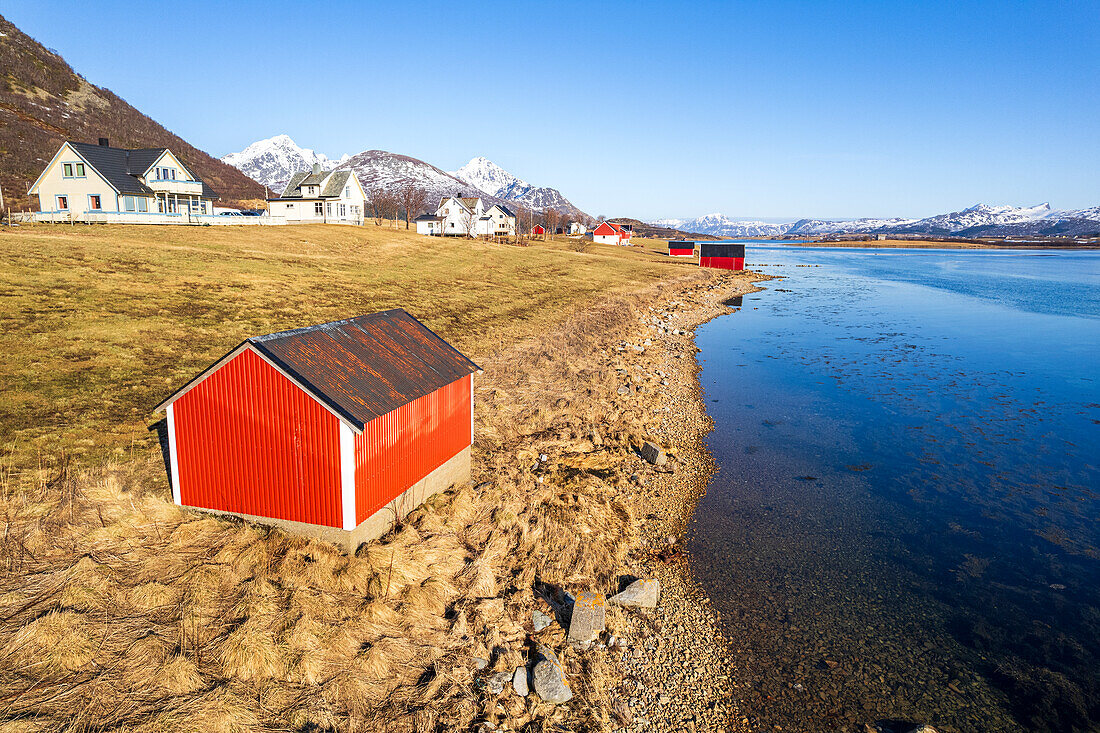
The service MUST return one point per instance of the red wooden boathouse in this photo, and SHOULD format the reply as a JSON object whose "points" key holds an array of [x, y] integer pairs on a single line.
{"points": [[333, 431], [537, 230], [681, 248], [722, 255]]}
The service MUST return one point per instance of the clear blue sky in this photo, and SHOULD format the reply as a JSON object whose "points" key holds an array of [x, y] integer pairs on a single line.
{"points": [[765, 109]]}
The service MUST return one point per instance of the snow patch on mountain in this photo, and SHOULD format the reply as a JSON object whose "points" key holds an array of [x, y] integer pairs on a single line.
{"points": [[977, 220], [272, 161], [720, 225], [488, 177]]}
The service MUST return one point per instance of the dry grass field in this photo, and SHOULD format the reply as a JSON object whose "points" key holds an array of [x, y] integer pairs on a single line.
{"points": [[121, 612], [98, 324]]}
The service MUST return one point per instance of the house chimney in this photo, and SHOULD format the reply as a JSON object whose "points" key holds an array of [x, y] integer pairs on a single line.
{"points": [[104, 142], [316, 168]]}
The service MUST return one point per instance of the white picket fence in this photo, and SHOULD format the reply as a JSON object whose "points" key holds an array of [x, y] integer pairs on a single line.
{"points": [[130, 217]]}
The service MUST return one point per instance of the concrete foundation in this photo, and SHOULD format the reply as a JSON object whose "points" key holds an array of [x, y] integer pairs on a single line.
{"points": [[455, 471]]}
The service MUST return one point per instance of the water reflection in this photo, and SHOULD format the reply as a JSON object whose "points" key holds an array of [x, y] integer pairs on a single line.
{"points": [[904, 520]]}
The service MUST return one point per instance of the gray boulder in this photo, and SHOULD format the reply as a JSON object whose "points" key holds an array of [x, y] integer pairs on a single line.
{"points": [[540, 620], [519, 681], [589, 616], [639, 594], [548, 678], [497, 682]]}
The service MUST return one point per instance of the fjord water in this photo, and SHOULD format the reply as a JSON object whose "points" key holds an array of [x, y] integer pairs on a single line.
{"points": [[905, 518]]}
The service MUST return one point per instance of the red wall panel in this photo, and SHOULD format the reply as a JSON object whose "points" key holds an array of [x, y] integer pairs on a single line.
{"points": [[723, 263], [681, 251], [249, 441], [398, 449]]}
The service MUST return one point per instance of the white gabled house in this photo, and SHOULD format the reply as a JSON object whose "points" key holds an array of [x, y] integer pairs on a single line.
{"points": [[459, 215], [462, 216], [319, 197], [497, 221], [98, 183]]}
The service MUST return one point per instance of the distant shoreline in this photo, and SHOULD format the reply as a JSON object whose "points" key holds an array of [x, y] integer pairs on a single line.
{"points": [[931, 244]]}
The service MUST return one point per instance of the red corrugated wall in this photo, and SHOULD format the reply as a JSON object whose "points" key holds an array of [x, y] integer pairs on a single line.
{"points": [[723, 263], [398, 449], [681, 251], [249, 441]]}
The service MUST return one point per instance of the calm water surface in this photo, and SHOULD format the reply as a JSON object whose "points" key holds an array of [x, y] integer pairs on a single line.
{"points": [[905, 524]]}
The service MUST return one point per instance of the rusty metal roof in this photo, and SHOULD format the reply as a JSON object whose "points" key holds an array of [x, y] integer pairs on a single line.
{"points": [[361, 368]]}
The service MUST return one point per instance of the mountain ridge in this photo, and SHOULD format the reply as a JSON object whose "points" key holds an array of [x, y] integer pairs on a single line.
{"points": [[44, 102], [977, 220], [273, 160]]}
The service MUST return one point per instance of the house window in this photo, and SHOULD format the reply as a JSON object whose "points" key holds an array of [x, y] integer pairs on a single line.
{"points": [[173, 173], [72, 170], [128, 203], [347, 192], [452, 225], [143, 205], [93, 202], [329, 208], [62, 203], [68, 170], [202, 207], [290, 206], [343, 210], [319, 209]]}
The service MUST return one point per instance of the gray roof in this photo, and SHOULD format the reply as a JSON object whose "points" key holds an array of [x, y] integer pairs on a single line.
{"points": [[336, 182], [293, 188], [122, 167], [428, 217], [506, 210]]}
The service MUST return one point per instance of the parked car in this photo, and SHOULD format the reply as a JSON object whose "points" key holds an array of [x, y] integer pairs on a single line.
{"points": [[231, 213]]}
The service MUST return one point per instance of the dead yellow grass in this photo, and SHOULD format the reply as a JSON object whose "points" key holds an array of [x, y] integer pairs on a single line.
{"points": [[118, 611]]}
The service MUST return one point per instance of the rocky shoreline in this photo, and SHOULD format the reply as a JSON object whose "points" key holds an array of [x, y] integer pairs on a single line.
{"points": [[677, 675]]}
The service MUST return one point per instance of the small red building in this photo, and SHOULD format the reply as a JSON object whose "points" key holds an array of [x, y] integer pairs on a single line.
{"points": [[722, 255], [611, 233], [537, 230], [681, 248], [333, 431]]}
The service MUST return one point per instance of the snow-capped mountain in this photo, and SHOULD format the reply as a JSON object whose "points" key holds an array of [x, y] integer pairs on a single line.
{"points": [[720, 225], [978, 220], [488, 177], [272, 161], [390, 171], [815, 227]]}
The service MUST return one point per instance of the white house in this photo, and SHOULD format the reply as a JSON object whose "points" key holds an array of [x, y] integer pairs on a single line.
{"points": [[318, 197], [575, 227], [497, 221], [98, 183], [460, 215], [429, 224]]}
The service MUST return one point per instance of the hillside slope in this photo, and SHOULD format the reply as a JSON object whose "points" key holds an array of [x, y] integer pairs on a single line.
{"points": [[44, 102]]}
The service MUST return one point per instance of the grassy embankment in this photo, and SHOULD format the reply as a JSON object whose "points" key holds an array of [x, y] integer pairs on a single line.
{"points": [[101, 323], [119, 610]]}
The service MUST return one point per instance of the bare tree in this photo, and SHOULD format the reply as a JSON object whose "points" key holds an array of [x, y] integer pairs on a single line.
{"points": [[468, 217], [413, 198], [377, 201], [524, 220], [553, 218]]}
